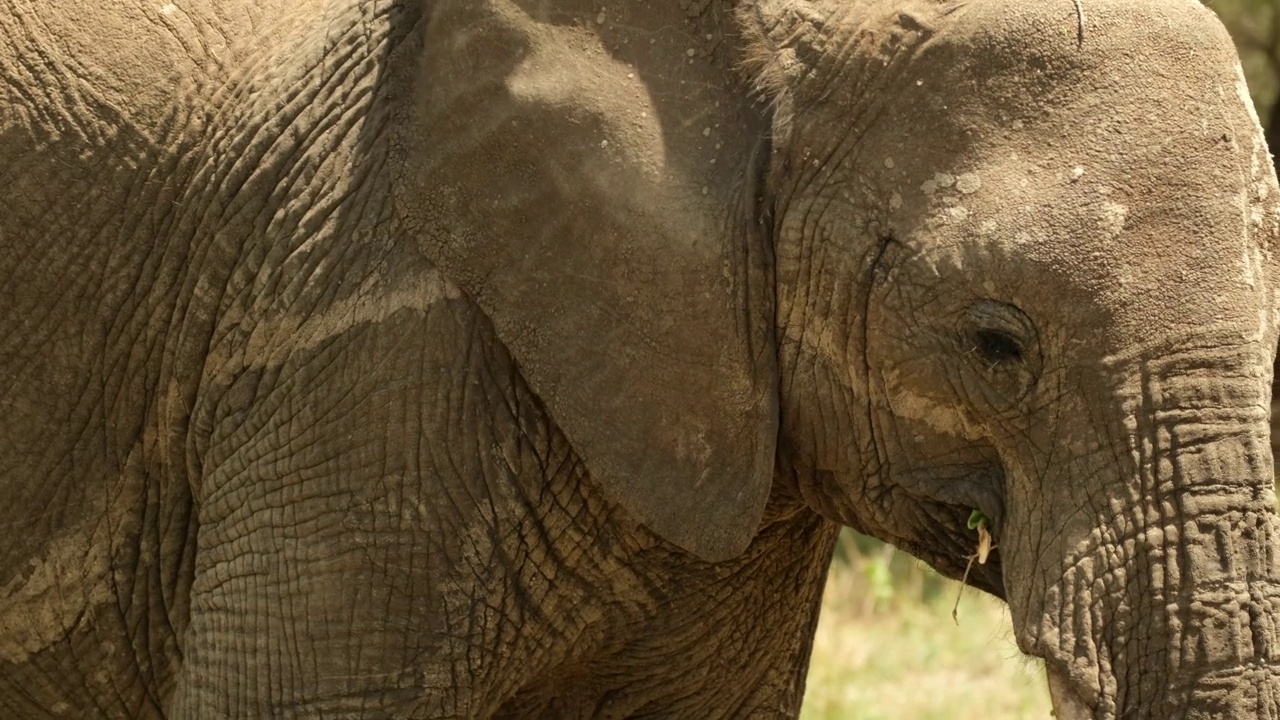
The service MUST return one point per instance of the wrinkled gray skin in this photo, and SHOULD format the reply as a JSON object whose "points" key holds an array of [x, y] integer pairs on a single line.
{"points": [[460, 358]]}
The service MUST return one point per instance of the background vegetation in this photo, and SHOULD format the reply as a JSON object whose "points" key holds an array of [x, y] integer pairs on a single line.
{"points": [[887, 647]]}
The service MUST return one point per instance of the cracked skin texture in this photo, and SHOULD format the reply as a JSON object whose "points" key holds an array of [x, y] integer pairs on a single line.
{"points": [[518, 358]]}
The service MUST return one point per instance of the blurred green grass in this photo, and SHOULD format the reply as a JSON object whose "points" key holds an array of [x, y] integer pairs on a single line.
{"points": [[887, 648]]}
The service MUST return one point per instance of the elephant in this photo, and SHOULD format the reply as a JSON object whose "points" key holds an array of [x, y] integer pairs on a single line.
{"points": [[507, 358]]}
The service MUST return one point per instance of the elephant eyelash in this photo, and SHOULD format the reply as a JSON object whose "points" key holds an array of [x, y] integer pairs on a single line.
{"points": [[997, 347], [998, 334]]}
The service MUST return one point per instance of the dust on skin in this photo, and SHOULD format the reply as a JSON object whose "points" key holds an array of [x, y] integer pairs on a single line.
{"points": [[938, 416], [275, 339], [59, 590], [542, 77]]}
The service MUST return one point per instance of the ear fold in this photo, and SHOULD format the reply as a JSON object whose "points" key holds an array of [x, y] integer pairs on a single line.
{"points": [[583, 183]]}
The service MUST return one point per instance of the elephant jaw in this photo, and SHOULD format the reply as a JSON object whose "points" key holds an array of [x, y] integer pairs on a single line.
{"points": [[1067, 704]]}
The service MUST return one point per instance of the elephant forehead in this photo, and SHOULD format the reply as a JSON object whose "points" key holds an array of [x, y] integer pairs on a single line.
{"points": [[1050, 39], [1126, 172], [1177, 253]]}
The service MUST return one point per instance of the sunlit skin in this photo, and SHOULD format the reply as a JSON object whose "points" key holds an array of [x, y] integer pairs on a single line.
{"points": [[524, 359]]}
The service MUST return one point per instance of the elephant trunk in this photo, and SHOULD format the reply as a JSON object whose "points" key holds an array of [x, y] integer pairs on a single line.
{"points": [[1067, 704], [1169, 604]]}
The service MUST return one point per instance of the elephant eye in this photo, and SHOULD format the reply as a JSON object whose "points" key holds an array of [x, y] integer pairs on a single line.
{"points": [[997, 347], [1000, 346]]}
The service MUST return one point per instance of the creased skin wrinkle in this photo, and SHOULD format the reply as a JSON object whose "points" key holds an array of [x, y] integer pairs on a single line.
{"points": [[291, 467], [376, 358]]}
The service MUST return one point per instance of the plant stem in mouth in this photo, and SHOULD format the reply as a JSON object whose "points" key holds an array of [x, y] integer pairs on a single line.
{"points": [[977, 521]]}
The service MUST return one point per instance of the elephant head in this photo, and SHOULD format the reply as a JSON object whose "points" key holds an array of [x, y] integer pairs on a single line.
{"points": [[1007, 257], [1024, 266]]}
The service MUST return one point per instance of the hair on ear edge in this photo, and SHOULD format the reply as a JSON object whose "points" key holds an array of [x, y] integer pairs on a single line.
{"points": [[769, 63]]}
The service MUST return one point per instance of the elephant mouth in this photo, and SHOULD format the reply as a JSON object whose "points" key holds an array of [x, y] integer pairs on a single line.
{"points": [[941, 535], [950, 546], [947, 544]]}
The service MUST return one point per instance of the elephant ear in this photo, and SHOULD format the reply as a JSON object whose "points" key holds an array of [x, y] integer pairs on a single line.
{"points": [[584, 183]]}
